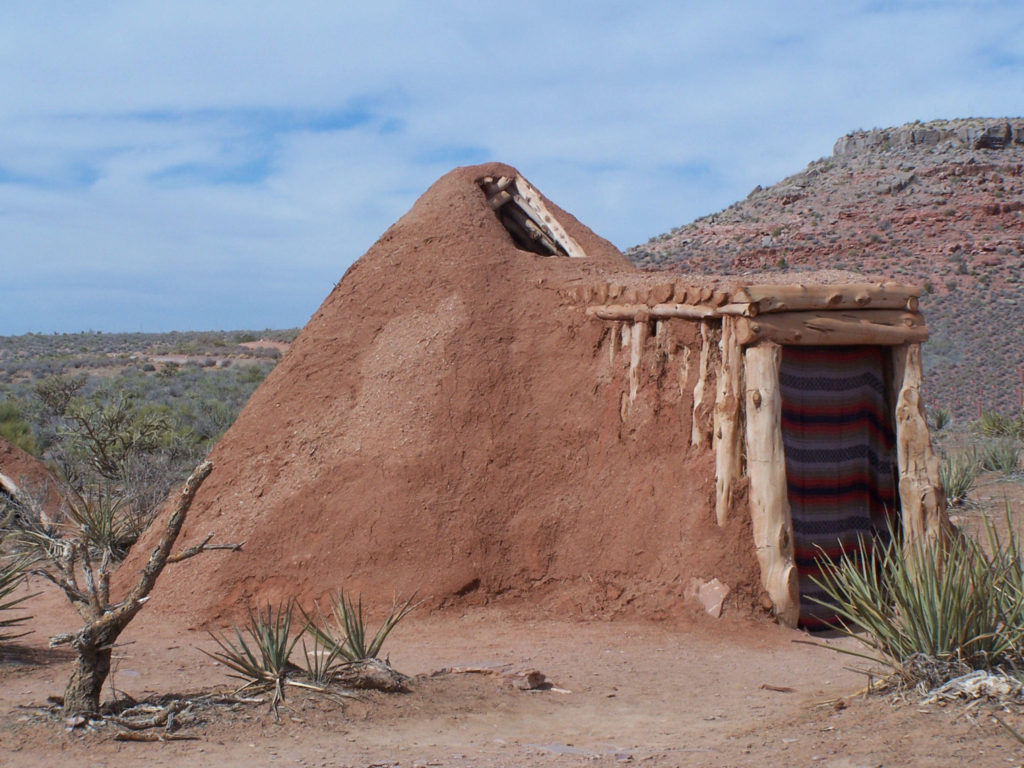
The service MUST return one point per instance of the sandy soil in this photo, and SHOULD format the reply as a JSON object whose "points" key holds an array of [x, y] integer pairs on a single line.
{"points": [[683, 693], [475, 446]]}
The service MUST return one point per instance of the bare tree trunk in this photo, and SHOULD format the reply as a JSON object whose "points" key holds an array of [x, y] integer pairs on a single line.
{"points": [[105, 622], [82, 695]]}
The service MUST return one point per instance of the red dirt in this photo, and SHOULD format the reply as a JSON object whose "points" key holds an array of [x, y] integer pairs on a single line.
{"points": [[28, 473], [642, 693], [445, 423]]}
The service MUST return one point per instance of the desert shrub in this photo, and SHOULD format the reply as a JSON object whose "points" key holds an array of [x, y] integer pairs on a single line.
{"points": [[15, 429], [345, 630], [941, 418], [339, 657], [252, 374], [1001, 456], [320, 663], [262, 660], [101, 513], [992, 424], [12, 576], [932, 604], [957, 473]]}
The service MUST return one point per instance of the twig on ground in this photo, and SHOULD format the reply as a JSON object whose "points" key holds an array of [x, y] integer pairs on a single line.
{"points": [[137, 736]]}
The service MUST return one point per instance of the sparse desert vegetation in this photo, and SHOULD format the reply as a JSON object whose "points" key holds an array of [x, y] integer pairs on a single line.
{"points": [[138, 410], [670, 686]]}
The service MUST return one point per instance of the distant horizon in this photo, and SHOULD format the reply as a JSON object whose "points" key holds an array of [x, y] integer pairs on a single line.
{"points": [[154, 333], [175, 166]]}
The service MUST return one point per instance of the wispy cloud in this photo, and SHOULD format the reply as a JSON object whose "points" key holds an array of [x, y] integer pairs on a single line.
{"points": [[192, 164]]}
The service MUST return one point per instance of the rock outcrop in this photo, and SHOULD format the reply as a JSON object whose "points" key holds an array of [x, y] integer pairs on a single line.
{"points": [[939, 204], [950, 135]]}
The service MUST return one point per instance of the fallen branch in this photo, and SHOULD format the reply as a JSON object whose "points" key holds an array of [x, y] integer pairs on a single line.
{"points": [[522, 679], [203, 546], [137, 736], [165, 717]]}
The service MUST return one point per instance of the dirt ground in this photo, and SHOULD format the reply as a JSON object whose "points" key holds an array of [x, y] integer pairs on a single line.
{"points": [[698, 692]]}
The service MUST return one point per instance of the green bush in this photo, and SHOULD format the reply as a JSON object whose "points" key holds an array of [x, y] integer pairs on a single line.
{"points": [[15, 429], [992, 424], [262, 661], [12, 576], [1001, 456], [954, 603], [941, 418], [345, 632], [957, 473]]}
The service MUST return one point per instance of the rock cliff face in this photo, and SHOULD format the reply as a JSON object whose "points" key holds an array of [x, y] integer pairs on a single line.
{"points": [[950, 135], [940, 204]]}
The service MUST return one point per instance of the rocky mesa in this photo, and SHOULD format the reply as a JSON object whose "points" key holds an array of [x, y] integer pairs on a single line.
{"points": [[940, 204]]}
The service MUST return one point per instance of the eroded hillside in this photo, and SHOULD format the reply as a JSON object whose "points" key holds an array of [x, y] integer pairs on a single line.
{"points": [[940, 204]]}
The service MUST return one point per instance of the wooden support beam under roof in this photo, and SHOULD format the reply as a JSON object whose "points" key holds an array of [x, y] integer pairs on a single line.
{"points": [[522, 211], [792, 314], [756, 299]]}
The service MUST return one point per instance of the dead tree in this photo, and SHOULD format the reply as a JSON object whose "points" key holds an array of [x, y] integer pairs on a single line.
{"points": [[104, 621]]}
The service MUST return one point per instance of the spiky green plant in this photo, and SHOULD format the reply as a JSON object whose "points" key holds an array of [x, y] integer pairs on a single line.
{"points": [[320, 662], [262, 661], [994, 424], [97, 513], [1001, 456], [951, 601], [345, 631], [941, 418], [12, 576], [956, 474]]}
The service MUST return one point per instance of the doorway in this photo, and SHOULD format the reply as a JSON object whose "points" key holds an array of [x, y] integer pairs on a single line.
{"points": [[838, 435]]}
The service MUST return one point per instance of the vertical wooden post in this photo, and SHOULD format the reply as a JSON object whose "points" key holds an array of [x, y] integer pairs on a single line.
{"points": [[728, 437], [684, 371], [636, 353], [922, 502], [699, 432], [615, 342], [766, 468]]}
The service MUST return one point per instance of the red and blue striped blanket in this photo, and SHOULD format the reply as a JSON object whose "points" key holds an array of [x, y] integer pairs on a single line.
{"points": [[840, 450]]}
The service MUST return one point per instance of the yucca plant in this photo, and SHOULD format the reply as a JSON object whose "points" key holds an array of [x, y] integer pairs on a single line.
{"points": [[948, 601], [956, 474], [262, 661], [320, 662], [345, 631], [994, 424], [97, 515], [12, 576], [1001, 456], [941, 418]]}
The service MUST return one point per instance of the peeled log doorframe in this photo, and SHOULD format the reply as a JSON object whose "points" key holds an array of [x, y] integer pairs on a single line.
{"points": [[770, 514], [922, 502], [728, 438], [640, 332], [701, 428]]}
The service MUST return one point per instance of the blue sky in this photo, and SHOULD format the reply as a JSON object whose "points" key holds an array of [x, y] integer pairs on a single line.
{"points": [[218, 165]]}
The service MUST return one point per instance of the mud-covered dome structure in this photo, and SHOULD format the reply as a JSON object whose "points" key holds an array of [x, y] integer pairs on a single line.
{"points": [[493, 404]]}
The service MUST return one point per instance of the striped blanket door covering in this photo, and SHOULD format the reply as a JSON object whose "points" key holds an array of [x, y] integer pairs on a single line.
{"points": [[838, 437]]}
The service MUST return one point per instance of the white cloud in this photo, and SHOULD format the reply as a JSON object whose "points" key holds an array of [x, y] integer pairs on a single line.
{"points": [[237, 156]]}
